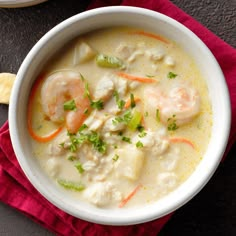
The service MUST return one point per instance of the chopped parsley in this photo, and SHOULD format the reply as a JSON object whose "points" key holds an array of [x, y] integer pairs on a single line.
{"points": [[71, 158], [97, 142], [171, 75], [116, 157], [82, 127], [79, 167], [120, 103], [117, 120], [132, 102], [126, 139], [142, 134], [70, 105], [94, 104], [86, 111], [140, 128], [91, 137], [62, 144], [127, 116], [157, 115], [139, 144], [97, 104], [171, 123]]}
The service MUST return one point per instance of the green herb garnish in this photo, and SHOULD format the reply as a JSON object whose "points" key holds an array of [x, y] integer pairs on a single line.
{"points": [[97, 104], [171, 123], [120, 103], [157, 115], [126, 139], [132, 102], [142, 134], [97, 142], [116, 157], [94, 104], [82, 127], [70, 105], [139, 144], [86, 111], [71, 158], [79, 167], [171, 75]]}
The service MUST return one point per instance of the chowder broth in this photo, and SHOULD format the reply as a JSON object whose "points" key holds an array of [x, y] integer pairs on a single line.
{"points": [[120, 117]]}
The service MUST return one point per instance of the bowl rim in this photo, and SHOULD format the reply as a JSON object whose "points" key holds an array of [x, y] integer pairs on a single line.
{"points": [[148, 213]]}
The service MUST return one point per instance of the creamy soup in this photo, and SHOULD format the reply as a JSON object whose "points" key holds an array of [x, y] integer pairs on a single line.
{"points": [[120, 117]]}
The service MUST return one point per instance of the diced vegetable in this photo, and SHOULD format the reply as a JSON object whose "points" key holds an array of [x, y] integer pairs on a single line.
{"points": [[135, 120], [108, 61], [130, 162], [71, 185], [83, 53]]}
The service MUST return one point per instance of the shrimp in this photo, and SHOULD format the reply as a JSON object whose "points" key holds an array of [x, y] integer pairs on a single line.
{"points": [[59, 88], [181, 102]]}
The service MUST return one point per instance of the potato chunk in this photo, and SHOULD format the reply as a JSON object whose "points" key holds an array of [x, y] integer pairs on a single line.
{"points": [[130, 163], [83, 53]]}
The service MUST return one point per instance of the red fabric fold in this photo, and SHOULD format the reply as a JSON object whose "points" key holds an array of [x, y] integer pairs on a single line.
{"points": [[17, 191]]}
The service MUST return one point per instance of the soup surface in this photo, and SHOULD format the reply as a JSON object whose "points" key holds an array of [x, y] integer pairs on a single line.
{"points": [[119, 117]]}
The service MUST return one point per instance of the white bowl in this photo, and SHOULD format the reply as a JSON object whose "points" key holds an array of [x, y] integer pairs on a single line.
{"points": [[151, 21]]}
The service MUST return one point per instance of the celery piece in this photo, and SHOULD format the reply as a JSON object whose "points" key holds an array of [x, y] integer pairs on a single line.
{"points": [[135, 120], [108, 61], [71, 185]]}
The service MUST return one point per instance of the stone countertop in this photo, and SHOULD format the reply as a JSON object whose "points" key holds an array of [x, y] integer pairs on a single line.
{"points": [[213, 210]]}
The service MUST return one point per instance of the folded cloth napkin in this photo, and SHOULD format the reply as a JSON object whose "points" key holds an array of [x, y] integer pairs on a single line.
{"points": [[17, 191]]}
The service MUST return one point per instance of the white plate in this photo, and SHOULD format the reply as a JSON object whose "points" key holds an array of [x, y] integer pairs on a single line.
{"points": [[19, 3]]}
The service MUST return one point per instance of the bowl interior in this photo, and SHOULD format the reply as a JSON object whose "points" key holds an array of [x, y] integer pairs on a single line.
{"points": [[104, 17]]}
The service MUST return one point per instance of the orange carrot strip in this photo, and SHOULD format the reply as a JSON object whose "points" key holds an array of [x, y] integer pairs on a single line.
{"points": [[182, 140], [155, 36], [128, 102], [44, 139], [125, 200], [29, 116], [136, 78]]}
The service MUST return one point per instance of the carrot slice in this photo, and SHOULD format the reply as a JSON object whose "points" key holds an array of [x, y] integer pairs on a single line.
{"points": [[125, 200], [136, 78], [147, 34], [29, 116], [182, 140]]}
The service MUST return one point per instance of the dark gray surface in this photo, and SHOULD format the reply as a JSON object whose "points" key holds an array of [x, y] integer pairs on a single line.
{"points": [[213, 210]]}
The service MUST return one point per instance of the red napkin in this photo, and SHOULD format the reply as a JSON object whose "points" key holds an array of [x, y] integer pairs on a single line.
{"points": [[17, 191]]}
